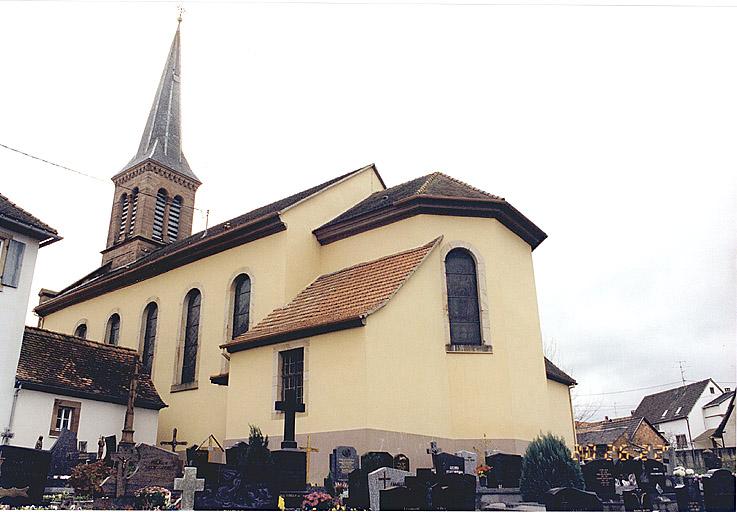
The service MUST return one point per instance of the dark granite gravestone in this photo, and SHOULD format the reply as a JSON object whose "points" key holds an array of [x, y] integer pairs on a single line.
{"points": [[290, 470], [22, 475], [719, 491], [111, 446], [371, 461], [225, 489], [358, 490], [569, 498], [148, 466], [64, 454], [448, 463], [343, 461], [653, 477], [419, 487], [506, 470], [599, 477], [401, 461], [454, 491], [395, 498], [637, 500], [711, 460], [688, 496], [624, 468], [235, 453]]}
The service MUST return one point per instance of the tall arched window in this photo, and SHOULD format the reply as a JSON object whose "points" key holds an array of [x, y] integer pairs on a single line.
{"points": [[241, 304], [112, 331], [81, 331], [191, 335], [150, 315], [463, 298], [123, 215], [175, 209], [134, 209], [159, 211]]}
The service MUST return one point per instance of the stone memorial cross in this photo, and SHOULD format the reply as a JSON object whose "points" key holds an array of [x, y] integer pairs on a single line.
{"points": [[290, 407], [189, 485], [174, 442]]}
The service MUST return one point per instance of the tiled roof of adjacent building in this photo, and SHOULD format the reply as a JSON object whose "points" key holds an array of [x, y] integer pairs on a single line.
{"points": [[672, 404], [607, 431], [556, 374], [720, 399], [249, 226], [434, 193], [16, 218], [66, 365], [338, 300]]}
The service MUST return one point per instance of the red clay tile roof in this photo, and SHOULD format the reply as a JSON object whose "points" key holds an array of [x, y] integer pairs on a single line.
{"points": [[558, 375], [338, 300], [608, 431], [58, 363], [17, 218]]}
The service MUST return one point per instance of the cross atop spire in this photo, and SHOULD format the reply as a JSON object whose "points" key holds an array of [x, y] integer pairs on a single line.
{"points": [[162, 137]]}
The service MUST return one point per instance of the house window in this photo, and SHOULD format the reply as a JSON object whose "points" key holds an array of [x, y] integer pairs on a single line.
{"points": [[241, 304], [463, 298], [292, 372], [65, 415], [664, 413], [159, 212], [711, 389], [678, 410], [11, 261], [81, 331], [191, 335], [681, 442], [112, 331], [150, 316]]}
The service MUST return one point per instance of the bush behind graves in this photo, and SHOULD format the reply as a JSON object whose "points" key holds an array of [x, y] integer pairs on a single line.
{"points": [[87, 478], [259, 464], [153, 498], [547, 463]]}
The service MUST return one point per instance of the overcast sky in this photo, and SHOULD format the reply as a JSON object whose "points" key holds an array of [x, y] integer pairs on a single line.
{"points": [[612, 128]]}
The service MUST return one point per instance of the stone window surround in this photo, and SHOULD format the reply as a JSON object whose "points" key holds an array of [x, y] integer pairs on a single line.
{"points": [[228, 317], [484, 316], [115, 311], [76, 410], [142, 329], [177, 384], [276, 379], [82, 321]]}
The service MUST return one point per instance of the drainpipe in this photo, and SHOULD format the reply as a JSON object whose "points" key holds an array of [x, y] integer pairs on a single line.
{"points": [[9, 431]]}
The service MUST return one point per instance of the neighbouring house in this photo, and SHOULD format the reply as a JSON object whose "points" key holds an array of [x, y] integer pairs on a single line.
{"points": [[21, 235], [65, 382], [685, 414], [633, 435], [724, 435]]}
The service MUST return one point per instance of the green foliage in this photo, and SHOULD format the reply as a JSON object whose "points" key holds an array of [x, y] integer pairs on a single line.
{"points": [[87, 478], [548, 463], [152, 498], [259, 465]]}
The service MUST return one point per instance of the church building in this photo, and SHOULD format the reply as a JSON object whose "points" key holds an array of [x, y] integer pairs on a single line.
{"points": [[398, 315]]}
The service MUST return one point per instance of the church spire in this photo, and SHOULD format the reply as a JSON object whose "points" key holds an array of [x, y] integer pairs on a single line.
{"points": [[162, 138]]}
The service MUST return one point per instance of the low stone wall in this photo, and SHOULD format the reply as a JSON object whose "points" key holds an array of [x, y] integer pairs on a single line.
{"points": [[694, 459]]}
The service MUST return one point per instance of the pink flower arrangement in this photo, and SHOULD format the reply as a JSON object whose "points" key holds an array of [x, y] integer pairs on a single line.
{"points": [[317, 500]]}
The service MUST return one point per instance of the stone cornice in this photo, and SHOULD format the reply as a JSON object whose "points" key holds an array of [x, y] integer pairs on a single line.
{"points": [[150, 165]]}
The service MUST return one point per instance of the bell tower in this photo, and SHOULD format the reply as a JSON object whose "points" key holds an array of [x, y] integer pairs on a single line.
{"points": [[154, 194]]}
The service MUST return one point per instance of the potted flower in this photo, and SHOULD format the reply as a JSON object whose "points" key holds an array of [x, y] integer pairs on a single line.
{"points": [[679, 472], [317, 500], [482, 471], [153, 498]]}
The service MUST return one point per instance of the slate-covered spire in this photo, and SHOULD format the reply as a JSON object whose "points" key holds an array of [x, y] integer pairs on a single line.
{"points": [[162, 138]]}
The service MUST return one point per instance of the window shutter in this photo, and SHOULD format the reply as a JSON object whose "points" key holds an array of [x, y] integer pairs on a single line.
{"points": [[13, 263]]}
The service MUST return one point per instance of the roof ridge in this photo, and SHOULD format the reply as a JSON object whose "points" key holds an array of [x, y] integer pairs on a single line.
{"points": [[430, 178], [83, 341], [470, 186]]}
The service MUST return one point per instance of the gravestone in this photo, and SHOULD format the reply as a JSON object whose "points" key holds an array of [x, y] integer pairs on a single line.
{"points": [[22, 475], [506, 470], [383, 479], [599, 477], [711, 460], [401, 461], [64, 454], [570, 498], [448, 463], [719, 490], [343, 461], [470, 459], [653, 477], [290, 470], [396, 498], [111, 446], [235, 453], [226, 489], [148, 466], [419, 489], [454, 491], [637, 500], [189, 484], [688, 496], [358, 491], [624, 468], [371, 461]]}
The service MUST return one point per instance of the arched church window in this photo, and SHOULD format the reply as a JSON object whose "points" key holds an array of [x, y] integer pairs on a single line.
{"points": [[150, 316], [175, 209], [123, 215], [463, 298], [133, 209], [241, 304], [159, 212], [191, 335], [81, 331], [112, 331]]}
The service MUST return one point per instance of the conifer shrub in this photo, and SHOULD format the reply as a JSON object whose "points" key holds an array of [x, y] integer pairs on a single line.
{"points": [[548, 463], [259, 464]]}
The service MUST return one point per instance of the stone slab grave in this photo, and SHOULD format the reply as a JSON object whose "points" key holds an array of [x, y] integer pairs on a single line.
{"points": [[598, 474], [569, 498], [290, 467], [396, 498], [343, 461], [22, 475], [111, 446], [506, 469], [358, 492], [371, 461], [454, 491], [448, 463], [64, 456], [383, 478], [470, 460], [653, 476], [419, 488], [719, 490], [638, 500], [148, 465], [401, 461], [189, 484]]}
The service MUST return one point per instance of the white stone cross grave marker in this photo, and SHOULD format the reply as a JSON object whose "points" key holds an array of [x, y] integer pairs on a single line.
{"points": [[189, 485]]}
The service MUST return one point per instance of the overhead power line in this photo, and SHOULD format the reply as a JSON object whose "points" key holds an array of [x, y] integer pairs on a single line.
{"points": [[629, 390]]}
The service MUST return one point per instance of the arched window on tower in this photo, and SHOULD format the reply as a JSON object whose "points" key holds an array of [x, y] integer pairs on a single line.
{"points": [[123, 215], [191, 335], [81, 331], [150, 316], [159, 212], [112, 331], [241, 304], [133, 210], [175, 209], [463, 298]]}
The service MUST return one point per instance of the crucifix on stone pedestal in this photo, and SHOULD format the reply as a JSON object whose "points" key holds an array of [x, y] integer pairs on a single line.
{"points": [[126, 447], [290, 407]]}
